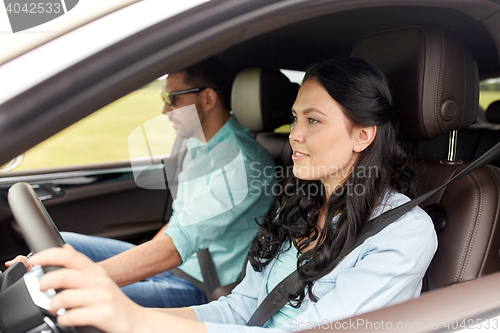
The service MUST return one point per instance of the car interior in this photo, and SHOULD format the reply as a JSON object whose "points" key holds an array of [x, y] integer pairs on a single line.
{"points": [[434, 57], [435, 86]]}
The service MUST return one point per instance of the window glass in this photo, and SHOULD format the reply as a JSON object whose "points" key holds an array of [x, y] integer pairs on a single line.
{"points": [[283, 129], [489, 92], [296, 77], [103, 136]]}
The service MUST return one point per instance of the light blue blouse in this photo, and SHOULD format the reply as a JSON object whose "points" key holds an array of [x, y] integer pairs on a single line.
{"points": [[386, 269], [286, 263]]}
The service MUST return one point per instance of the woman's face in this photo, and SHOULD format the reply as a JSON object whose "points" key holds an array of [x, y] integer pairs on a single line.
{"points": [[323, 140]]}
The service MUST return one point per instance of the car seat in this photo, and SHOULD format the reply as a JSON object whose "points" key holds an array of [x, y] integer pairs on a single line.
{"points": [[472, 142], [262, 100], [436, 87]]}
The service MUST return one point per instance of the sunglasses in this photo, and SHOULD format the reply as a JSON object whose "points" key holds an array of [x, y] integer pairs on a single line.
{"points": [[169, 96]]}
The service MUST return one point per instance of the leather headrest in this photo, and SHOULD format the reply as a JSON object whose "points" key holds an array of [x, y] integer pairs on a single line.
{"points": [[433, 77], [261, 98], [492, 113]]}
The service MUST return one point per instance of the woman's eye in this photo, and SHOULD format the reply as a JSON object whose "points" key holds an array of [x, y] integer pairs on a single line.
{"points": [[312, 120]]}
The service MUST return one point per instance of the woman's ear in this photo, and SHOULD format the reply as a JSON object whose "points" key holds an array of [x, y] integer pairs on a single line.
{"points": [[364, 137]]}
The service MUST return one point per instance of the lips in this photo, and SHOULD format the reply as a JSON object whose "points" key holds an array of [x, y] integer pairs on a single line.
{"points": [[173, 122], [297, 155]]}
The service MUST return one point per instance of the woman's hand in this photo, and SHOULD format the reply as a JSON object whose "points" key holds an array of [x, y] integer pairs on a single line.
{"points": [[90, 297]]}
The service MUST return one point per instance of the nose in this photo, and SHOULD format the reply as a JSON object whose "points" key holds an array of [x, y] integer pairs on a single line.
{"points": [[296, 134], [166, 108], [171, 113]]}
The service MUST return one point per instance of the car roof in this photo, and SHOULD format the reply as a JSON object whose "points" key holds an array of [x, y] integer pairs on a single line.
{"points": [[307, 41], [293, 46]]}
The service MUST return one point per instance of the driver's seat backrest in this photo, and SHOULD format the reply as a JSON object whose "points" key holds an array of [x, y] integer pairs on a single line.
{"points": [[436, 87], [261, 100]]}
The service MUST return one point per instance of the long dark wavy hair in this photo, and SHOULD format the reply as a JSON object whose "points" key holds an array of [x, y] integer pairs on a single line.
{"points": [[363, 92]]}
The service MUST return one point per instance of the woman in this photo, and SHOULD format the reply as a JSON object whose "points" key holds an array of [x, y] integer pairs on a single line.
{"points": [[348, 168]]}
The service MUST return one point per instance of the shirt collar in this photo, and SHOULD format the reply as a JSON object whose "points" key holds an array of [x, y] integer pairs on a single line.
{"points": [[226, 130]]}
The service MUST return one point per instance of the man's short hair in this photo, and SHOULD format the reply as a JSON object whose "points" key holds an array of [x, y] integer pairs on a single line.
{"points": [[212, 73]]}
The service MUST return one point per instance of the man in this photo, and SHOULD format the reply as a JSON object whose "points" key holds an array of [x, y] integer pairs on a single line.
{"points": [[202, 217]]}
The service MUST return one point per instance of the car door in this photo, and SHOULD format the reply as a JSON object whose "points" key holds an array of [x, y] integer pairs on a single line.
{"points": [[84, 71], [91, 183]]}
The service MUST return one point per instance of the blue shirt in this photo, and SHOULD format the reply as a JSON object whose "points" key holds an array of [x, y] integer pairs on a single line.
{"points": [[223, 186], [286, 263], [386, 269]]}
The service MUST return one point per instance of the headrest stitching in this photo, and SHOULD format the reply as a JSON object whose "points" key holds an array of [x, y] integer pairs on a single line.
{"points": [[489, 244], [442, 64], [476, 79], [472, 229], [437, 85], [476, 222], [437, 100]]}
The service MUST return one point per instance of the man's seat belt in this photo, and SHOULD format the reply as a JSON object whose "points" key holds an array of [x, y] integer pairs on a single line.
{"points": [[210, 277], [208, 271], [269, 306]]}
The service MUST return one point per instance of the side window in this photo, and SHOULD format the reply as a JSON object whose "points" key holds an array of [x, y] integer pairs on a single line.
{"points": [[101, 137], [489, 92], [296, 77]]}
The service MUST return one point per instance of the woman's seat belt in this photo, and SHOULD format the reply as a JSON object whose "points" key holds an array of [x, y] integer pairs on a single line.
{"points": [[269, 307]]}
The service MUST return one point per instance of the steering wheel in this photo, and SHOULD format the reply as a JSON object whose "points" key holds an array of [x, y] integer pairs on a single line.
{"points": [[38, 229], [40, 233]]}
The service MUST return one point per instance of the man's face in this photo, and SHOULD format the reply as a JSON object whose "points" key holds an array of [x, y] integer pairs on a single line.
{"points": [[186, 124]]}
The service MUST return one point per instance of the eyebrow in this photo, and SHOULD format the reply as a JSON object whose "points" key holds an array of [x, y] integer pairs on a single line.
{"points": [[309, 110]]}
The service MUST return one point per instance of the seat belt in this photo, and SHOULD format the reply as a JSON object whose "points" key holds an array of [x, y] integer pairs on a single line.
{"points": [[269, 307], [208, 271]]}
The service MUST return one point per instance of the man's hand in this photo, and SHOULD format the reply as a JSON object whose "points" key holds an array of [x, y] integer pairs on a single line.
{"points": [[22, 259], [142, 261]]}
